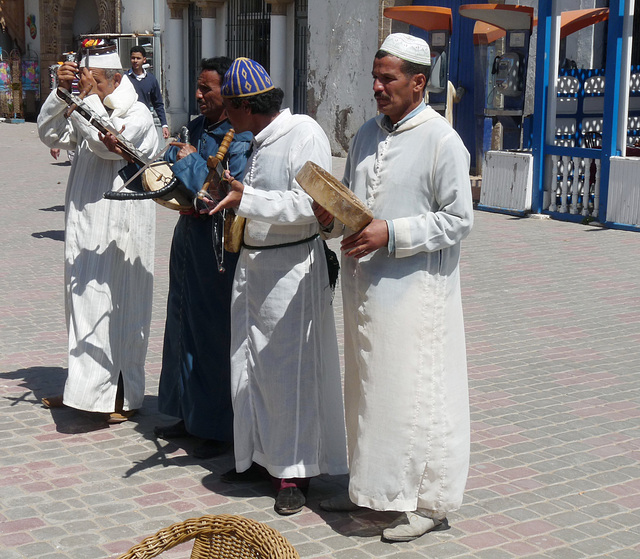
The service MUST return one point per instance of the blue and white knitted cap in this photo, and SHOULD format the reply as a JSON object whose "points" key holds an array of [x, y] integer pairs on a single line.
{"points": [[245, 77]]}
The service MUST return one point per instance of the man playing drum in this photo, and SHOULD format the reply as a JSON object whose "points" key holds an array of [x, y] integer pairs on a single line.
{"points": [[109, 245], [406, 396]]}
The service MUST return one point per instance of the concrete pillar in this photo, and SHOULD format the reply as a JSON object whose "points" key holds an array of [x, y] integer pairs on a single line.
{"points": [[208, 37], [278, 58], [210, 10], [221, 32], [175, 96], [281, 50]]}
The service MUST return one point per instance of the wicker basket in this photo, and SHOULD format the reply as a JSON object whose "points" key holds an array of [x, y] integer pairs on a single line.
{"points": [[220, 536]]}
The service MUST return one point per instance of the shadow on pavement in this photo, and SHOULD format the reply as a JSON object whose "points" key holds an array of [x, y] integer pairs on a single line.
{"points": [[54, 235], [39, 382], [174, 452]]}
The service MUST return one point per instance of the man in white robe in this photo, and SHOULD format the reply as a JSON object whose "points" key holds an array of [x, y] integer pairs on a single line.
{"points": [[406, 395], [109, 245], [285, 371]]}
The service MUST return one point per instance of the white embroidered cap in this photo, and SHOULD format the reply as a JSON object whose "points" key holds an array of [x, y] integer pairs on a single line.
{"points": [[107, 61], [407, 47]]}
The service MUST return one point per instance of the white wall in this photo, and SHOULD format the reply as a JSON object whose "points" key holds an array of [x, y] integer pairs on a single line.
{"points": [[342, 43], [137, 16]]}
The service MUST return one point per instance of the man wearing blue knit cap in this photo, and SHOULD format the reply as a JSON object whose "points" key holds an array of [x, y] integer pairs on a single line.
{"points": [[285, 371]]}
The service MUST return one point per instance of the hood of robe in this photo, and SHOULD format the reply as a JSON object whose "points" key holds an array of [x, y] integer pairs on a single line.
{"points": [[420, 118], [280, 126], [122, 98]]}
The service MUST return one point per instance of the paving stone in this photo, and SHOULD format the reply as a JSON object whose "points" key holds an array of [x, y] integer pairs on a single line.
{"points": [[312, 549], [553, 326], [493, 554], [403, 554], [595, 547], [624, 554]]}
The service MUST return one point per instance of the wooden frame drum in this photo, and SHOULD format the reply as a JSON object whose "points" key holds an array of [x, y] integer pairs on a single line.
{"points": [[332, 195]]}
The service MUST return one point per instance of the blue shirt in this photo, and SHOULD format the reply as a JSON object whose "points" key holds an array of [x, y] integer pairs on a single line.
{"points": [[148, 90], [206, 137]]}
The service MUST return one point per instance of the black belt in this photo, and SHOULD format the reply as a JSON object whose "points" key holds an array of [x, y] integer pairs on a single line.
{"points": [[292, 243]]}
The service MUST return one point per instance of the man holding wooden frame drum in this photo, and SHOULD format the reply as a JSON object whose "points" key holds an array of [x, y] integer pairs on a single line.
{"points": [[285, 371], [406, 394]]}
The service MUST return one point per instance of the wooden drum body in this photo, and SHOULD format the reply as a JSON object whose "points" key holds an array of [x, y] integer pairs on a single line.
{"points": [[333, 196], [233, 232], [158, 176]]}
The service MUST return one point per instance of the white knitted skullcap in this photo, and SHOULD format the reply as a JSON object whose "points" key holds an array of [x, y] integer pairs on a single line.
{"points": [[107, 61], [407, 47]]}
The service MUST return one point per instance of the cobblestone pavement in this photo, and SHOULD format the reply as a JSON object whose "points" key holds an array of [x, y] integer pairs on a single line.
{"points": [[552, 315]]}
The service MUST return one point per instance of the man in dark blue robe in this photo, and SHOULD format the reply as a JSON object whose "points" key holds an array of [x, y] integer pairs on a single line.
{"points": [[194, 381]]}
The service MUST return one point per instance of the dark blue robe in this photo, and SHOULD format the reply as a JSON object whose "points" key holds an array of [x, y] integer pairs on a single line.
{"points": [[194, 381], [148, 90]]}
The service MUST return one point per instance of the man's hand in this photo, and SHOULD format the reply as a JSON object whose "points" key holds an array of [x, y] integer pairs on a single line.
{"points": [[322, 215], [111, 142], [66, 74], [370, 238], [165, 132], [87, 82], [233, 197], [184, 149]]}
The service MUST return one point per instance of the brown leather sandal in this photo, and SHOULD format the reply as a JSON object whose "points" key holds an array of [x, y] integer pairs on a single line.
{"points": [[53, 402], [120, 416]]}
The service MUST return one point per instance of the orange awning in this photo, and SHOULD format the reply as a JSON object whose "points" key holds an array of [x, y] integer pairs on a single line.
{"points": [[492, 19], [574, 20], [505, 16], [429, 18], [485, 33]]}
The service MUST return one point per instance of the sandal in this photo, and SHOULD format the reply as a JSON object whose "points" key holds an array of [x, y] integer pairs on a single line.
{"points": [[120, 416], [53, 402]]}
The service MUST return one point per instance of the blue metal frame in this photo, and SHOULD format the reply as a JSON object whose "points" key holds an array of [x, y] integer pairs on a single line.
{"points": [[539, 128], [613, 74]]}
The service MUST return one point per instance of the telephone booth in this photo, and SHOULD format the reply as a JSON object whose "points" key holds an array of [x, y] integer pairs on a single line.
{"points": [[436, 21], [501, 42]]}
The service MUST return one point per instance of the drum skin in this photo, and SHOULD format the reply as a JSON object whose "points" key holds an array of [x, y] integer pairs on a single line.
{"points": [[157, 176], [333, 196]]}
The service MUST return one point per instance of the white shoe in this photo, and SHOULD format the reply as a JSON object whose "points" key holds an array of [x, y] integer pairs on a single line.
{"points": [[339, 503], [410, 525]]}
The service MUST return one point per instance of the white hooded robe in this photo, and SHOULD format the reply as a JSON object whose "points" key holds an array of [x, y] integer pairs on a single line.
{"points": [[285, 370], [406, 396], [109, 250]]}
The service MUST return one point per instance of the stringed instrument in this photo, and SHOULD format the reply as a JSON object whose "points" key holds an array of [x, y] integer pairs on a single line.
{"points": [[168, 185], [233, 232], [76, 104]]}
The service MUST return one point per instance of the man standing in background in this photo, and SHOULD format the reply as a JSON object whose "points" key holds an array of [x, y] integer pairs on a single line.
{"points": [[147, 87]]}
